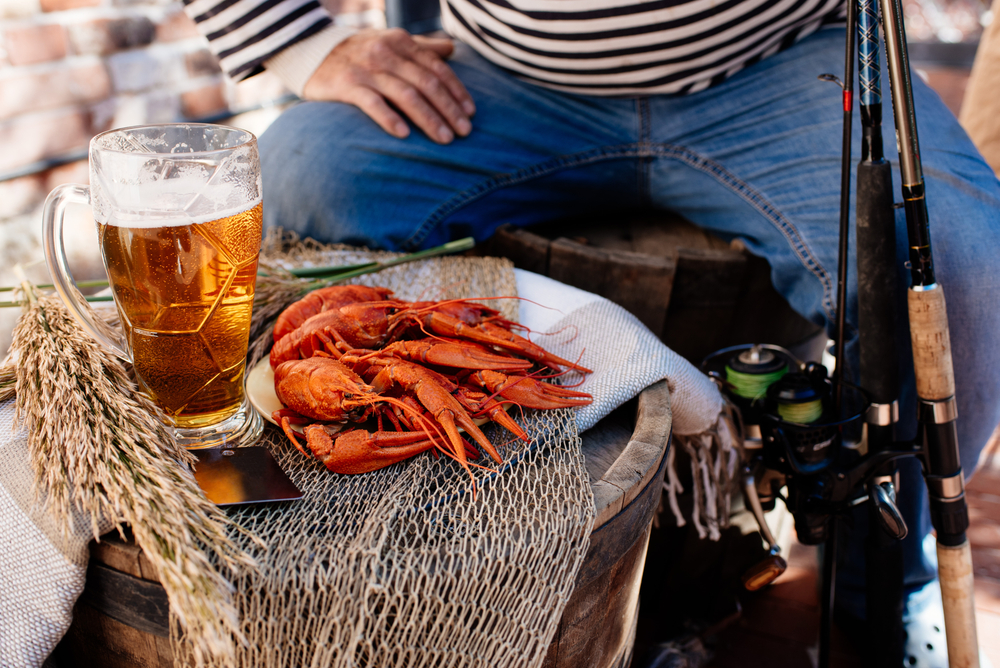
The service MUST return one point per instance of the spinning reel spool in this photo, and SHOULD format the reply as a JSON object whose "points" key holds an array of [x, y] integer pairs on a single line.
{"points": [[785, 404]]}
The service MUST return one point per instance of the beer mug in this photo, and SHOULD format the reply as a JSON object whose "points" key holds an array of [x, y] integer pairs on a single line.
{"points": [[178, 213]]}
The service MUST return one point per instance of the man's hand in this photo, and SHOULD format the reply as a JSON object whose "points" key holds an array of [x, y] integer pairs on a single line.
{"points": [[376, 67]]}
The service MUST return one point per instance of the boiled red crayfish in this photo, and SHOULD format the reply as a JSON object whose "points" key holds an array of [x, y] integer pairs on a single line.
{"points": [[324, 299], [321, 388], [351, 359], [372, 325]]}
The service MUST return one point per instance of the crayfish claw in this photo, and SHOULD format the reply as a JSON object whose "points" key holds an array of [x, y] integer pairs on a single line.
{"points": [[286, 426]]}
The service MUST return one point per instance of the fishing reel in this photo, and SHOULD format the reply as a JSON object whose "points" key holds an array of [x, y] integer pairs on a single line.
{"points": [[799, 441]]}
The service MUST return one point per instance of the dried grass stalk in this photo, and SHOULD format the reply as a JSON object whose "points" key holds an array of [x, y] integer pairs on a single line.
{"points": [[276, 287], [98, 445], [8, 381], [275, 292]]}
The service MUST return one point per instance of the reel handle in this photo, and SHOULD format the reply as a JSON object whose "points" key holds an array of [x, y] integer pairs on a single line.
{"points": [[766, 571], [882, 496]]}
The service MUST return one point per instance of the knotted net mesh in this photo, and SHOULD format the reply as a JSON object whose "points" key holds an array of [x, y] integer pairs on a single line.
{"points": [[407, 566]]}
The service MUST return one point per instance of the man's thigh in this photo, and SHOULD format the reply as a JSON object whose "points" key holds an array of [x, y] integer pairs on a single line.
{"points": [[533, 155]]}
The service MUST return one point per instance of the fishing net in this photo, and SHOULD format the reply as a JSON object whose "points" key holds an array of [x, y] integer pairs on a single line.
{"points": [[414, 565]]}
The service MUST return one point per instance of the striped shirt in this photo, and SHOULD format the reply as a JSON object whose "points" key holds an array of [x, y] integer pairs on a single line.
{"points": [[596, 47], [245, 33]]}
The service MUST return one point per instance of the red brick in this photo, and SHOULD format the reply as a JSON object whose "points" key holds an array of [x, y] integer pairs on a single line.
{"points": [[105, 36], [176, 26], [62, 85], [158, 107], [983, 532], [28, 139], [18, 9], [203, 101], [949, 83], [35, 44], [987, 595], [73, 172], [986, 480], [986, 562], [19, 196], [63, 5], [202, 62]]}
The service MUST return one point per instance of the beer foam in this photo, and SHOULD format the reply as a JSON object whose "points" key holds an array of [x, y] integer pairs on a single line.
{"points": [[148, 218]]}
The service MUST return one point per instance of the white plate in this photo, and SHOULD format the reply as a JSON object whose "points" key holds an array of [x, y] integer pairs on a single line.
{"points": [[260, 391]]}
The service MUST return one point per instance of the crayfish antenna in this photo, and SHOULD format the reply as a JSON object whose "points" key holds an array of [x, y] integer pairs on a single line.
{"points": [[428, 426]]}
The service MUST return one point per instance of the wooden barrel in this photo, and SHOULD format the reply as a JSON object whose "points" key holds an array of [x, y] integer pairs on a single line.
{"points": [[695, 291], [121, 619]]}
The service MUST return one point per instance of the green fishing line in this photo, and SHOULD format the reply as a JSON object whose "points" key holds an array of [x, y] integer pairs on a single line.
{"points": [[752, 385], [806, 412]]}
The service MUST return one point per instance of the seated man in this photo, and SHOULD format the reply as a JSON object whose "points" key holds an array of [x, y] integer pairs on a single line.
{"points": [[550, 108]]}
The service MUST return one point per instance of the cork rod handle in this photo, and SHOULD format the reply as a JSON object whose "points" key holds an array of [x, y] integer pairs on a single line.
{"points": [[955, 572], [931, 344]]}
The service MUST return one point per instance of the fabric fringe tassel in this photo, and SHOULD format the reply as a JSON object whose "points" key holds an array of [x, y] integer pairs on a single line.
{"points": [[715, 456]]}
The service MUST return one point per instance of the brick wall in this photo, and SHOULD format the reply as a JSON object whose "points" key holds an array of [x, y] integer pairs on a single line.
{"points": [[70, 69]]}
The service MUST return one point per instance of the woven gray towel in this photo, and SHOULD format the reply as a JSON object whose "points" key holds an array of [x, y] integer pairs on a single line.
{"points": [[41, 568]]}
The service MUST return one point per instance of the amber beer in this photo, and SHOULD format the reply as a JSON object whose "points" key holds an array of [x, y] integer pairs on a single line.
{"points": [[185, 293]]}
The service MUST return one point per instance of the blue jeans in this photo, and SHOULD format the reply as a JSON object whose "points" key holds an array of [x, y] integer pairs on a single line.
{"points": [[756, 158]]}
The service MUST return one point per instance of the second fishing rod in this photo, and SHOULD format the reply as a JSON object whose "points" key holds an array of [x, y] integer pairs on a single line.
{"points": [[935, 379], [928, 327]]}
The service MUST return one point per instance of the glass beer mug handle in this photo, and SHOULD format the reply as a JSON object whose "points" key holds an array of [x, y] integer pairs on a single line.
{"points": [[55, 256]]}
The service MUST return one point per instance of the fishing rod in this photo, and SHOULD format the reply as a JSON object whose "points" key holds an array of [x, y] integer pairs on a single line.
{"points": [[935, 378], [831, 547], [875, 225]]}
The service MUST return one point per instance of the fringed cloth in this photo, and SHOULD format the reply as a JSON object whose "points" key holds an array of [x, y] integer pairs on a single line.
{"points": [[626, 358], [714, 458]]}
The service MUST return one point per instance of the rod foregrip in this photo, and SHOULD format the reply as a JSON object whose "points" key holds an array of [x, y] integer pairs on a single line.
{"points": [[931, 344], [877, 282], [956, 575]]}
